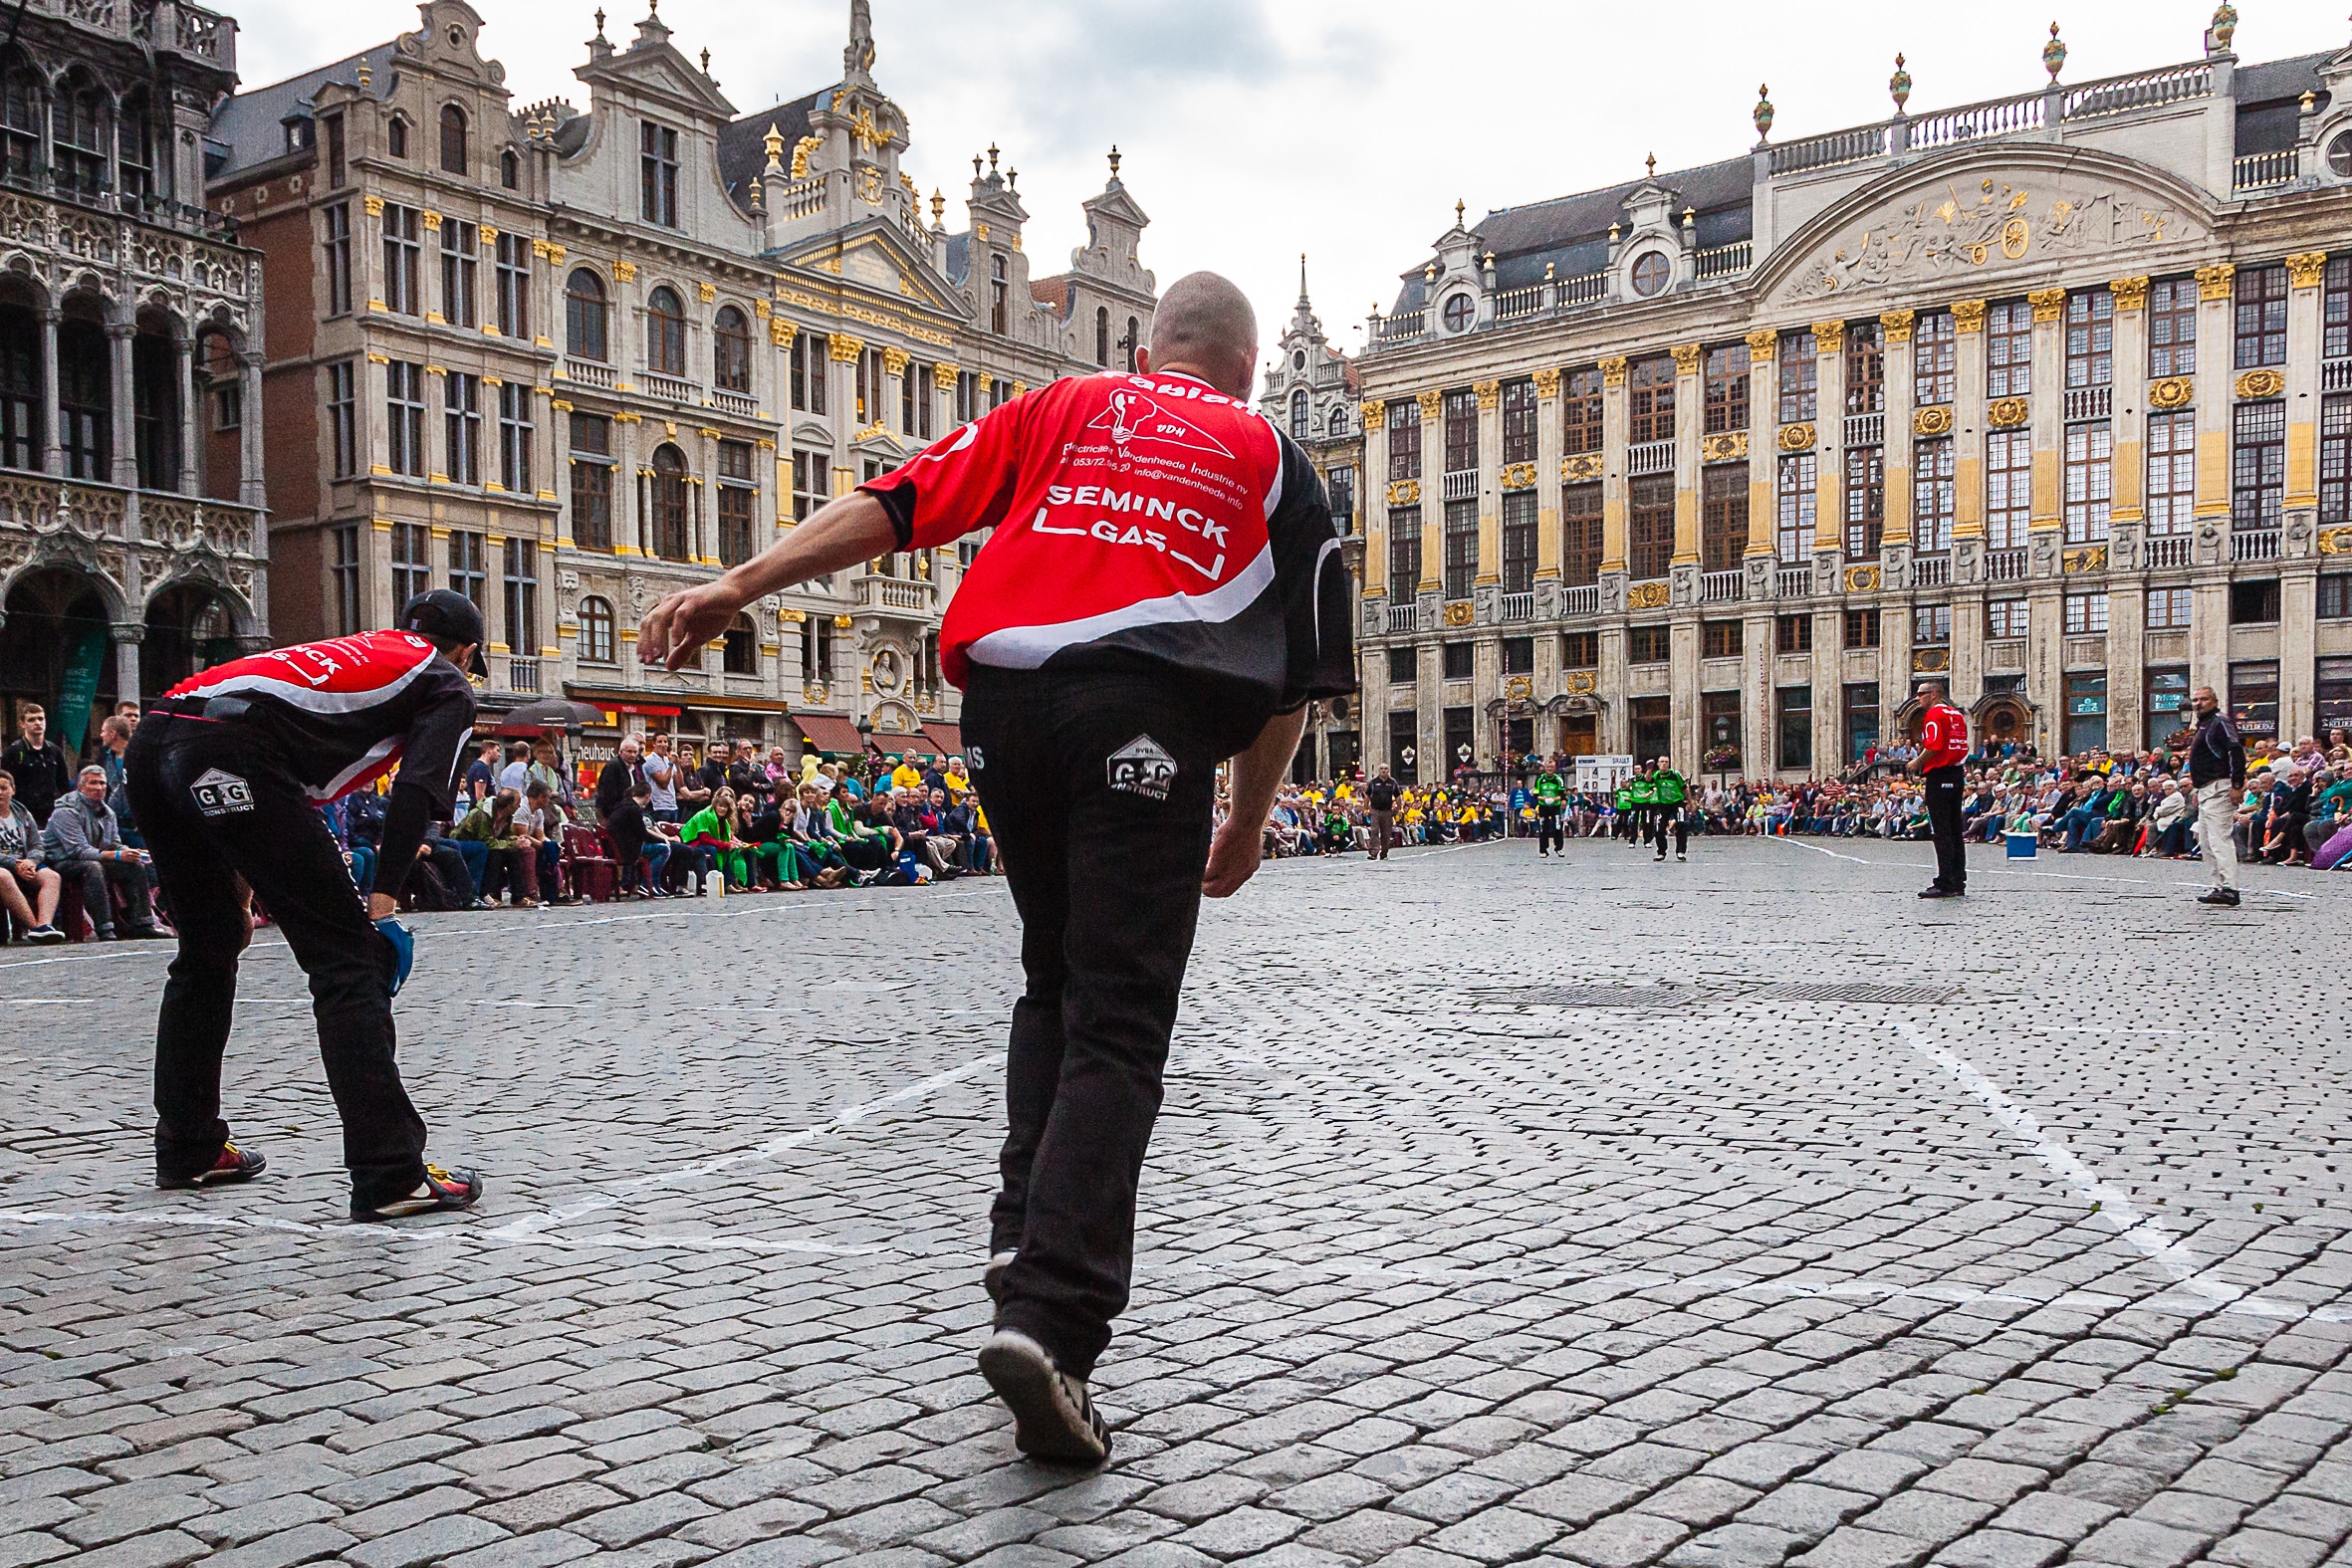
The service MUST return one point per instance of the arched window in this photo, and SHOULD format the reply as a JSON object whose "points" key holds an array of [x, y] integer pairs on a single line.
{"points": [[454, 138], [1651, 273], [669, 504], [1338, 424], [1298, 414], [585, 316], [665, 333], [730, 351], [741, 654], [77, 132], [595, 630], [20, 124], [396, 137], [1103, 336], [1134, 340], [509, 170]]}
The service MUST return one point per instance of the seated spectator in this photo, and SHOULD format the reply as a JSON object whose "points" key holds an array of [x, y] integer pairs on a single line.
{"points": [[922, 833], [712, 830], [757, 828], [2169, 820], [506, 867], [633, 839], [83, 842], [2290, 807], [969, 824], [810, 835], [358, 859], [538, 830], [28, 889], [865, 848], [516, 775]]}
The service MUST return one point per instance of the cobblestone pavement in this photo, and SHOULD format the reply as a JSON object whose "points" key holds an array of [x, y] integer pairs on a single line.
{"points": [[1443, 1263]]}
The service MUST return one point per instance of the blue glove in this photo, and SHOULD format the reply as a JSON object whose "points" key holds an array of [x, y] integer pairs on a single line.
{"points": [[403, 943]]}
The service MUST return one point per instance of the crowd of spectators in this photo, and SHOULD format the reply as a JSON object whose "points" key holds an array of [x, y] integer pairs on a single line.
{"points": [[67, 839]]}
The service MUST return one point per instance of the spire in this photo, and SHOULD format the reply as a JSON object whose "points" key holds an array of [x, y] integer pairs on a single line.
{"points": [[1302, 280], [1114, 163], [858, 61], [654, 30]]}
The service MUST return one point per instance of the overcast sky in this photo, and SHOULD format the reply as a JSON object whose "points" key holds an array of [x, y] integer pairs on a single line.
{"points": [[1256, 129]]}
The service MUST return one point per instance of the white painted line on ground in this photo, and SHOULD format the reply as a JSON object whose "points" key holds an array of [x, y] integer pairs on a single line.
{"points": [[2149, 1240], [2061, 876]]}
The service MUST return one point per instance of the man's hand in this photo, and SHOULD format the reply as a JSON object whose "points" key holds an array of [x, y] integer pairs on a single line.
{"points": [[1234, 856], [677, 628]]}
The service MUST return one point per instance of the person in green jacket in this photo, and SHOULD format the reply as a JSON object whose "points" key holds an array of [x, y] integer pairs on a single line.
{"points": [[1551, 801], [1672, 793], [713, 829], [1643, 791]]}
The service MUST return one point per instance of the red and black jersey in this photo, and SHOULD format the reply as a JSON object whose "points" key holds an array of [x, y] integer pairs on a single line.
{"points": [[1942, 737], [1136, 517], [343, 712]]}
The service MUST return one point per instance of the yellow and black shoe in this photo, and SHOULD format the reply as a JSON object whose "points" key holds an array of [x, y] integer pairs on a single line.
{"points": [[234, 1165], [440, 1189]]}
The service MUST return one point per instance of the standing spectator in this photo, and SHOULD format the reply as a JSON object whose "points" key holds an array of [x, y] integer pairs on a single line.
{"points": [[663, 773], [481, 775], [516, 775], [2217, 772], [619, 777], [85, 844], [42, 775], [28, 889]]}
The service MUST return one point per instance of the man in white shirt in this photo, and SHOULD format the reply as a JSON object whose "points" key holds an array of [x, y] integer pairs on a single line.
{"points": [[661, 772]]}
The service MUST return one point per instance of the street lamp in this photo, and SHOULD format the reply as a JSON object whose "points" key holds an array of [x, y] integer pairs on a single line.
{"points": [[865, 744]]}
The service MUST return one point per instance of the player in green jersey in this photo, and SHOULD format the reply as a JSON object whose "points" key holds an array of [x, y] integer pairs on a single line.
{"points": [[1673, 793]]}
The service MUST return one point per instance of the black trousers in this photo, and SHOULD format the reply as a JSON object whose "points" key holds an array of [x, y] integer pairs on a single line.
{"points": [[1549, 833], [1098, 788], [1665, 817], [1952, 855], [263, 828]]}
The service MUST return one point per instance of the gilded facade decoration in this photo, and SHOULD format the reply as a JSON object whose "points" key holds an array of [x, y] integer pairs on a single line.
{"points": [[2092, 557], [1861, 580], [1796, 437], [2172, 392], [1459, 612], [2305, 269], [1725, 446], [1896, 326], [2049, 305], [2003, 413], [1580, 465], [1546, 383], [2213, 281], [1934, 420], [2261, 383], [1519, 476], [1404, 493], [1649, 595], [2130, 294]]}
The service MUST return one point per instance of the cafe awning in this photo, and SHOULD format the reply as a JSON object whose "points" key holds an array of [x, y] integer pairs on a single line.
{"points": [[829, 734]]}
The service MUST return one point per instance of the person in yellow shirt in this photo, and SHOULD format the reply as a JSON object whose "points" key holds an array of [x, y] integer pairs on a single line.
{"points": [[906, 776], [959, 785]]}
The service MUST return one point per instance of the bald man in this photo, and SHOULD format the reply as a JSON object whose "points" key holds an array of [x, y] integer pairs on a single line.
{"points": [[1163, 590]]}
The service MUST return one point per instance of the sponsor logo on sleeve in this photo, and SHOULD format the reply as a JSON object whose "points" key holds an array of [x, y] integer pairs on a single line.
{"points": [[1141, 767]]}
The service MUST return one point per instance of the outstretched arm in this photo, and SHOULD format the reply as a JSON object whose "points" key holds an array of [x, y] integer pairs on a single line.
{"points": [[1257, 773], [843, 532]]}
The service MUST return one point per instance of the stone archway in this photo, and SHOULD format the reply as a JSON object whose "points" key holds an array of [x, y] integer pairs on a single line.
{"points": [[190, 626], [2003, 720], [58, 626]]}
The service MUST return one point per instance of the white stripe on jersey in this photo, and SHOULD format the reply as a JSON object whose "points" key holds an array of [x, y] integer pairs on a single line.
{"points": [[374, 758], [1028, 647], [308, 698]]}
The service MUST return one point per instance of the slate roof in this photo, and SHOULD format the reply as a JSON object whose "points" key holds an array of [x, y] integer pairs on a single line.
{"points": [[249, 126], [743, 144]]}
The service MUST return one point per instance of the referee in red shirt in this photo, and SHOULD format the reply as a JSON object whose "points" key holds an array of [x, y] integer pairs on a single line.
{"points": [[1943, 743], [1163, 590]]}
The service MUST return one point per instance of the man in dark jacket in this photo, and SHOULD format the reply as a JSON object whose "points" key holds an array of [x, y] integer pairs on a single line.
{"points": [[618, 776], [42, 775], [2217, 772], [1381, 807]]}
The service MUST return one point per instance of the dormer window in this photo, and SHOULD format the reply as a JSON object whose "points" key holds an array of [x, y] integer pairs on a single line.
{"points": [[1459, 312], [454, 159], [396, 137], [298, 134], [509, 170], [1651, 273], [657, 174]]}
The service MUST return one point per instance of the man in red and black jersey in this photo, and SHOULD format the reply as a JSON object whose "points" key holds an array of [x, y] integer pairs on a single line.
{"points": [[1943, 746], [226, 774], [1163, 590]]}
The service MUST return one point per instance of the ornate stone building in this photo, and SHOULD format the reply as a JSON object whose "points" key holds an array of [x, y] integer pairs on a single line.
{"points": [[1311, 392], [131, 548], [2049, 397], [690, 326]]}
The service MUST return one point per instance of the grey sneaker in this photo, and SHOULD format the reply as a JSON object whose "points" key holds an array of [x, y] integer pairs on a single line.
{"points": [[1052, 1420]]}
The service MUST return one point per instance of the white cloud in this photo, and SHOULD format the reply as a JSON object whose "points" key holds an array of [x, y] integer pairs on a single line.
{"points": [[1255, 129]]}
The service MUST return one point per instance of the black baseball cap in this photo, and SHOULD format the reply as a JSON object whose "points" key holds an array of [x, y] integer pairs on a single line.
{"points": [[445, 615]]}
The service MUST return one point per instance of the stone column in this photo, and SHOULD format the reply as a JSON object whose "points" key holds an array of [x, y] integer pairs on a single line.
{"points": [[2304, 273], [1829, 340], [2215, 336], [1895, 343], [1688, 421], [2128, 515], [1489, 487], [1433, 503], [1615, 418], [128, 635], [53, 450], [1968, 438], [1757, 643], [2298, 650], [558, 460], [191, 466], [1764, 432], [1829, 684], [2127, 609], [1550, 438], [123, 469], [1681, 707], [376, 416], [1373, 418], [2050, 408], [629, 488], [252, 485]]}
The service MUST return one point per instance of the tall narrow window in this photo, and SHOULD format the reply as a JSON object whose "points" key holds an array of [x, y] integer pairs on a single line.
{"points": [[2172, 473], [1461, 416], [401, 259], [730, 351], [2008, 350], [2090, 479], [1799, 378], [1519, 421], [514, 436], [86, 399], [669, 504], [1649, 535], [2261, 316], [513, 285], [396, 137], [521, 597], [1339, 486], [1865, 501], [346, 573], [21, 398], [1934, 496], [657, 174], [2090, 338], [999, 295], [910, 383], [1649, 398], [1519, 541], [2172, 328], [20, 124], [411, 571], [1726, 388], [1580, 535], [665, 333], [469, 573], [77, 132], [2335, 308], [343, 420], [592, 482], [460, 243], [738, 501], [1404, 555], [1799, 495], [461, 422], [2009, 488], [1404, 441], [1935, 359], [454, 159], [509, 170], [404, 395], [2257, 470], [585, 317], [337, 244], [1298, 414], [155, 404], [1723, 515], [2335, 460], [1103, 336], [1866, 370], [1581, 411], [1461, 547], [808, 375]]}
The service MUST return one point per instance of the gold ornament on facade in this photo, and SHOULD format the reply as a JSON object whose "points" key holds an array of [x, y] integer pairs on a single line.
{"points": [[1431, 404], [2335, 541], [792, 617], [1519, 476], [705, 292], [2214, 282], [2130, 294], [1371, 416], [1967, 315], [1547, 383], [1728, 446], [373, 204], [1861, 580], [803, 150], [2004, 412], [2306, 269], [2049, 305], [1686, 358], [1829, 336], [984, 381], [1612, 371], [1927, 661], [1579, 683], [1797, 438], [1762, 342], [843, 349], [2172, 392], [1404, 493], [844, 623], [1896, 325], [1649, 595], [1520, 688], [943, 376], [1459, 614], [2261, 383], [2091, 557], [432, 220], [1580, 465], [896, 360], [780, 332], [1934, 420], [627, 272], [1489, 394]]}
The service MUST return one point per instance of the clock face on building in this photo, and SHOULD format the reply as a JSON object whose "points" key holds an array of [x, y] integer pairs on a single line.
{"points": [[1459, 311], [1650, 273]]}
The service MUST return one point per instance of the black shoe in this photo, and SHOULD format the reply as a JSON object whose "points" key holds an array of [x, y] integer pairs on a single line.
{"points": [[992, 1279], [138, 933], [234, 1165], [1941, 892], [438, 1190], [1052, 1418], [2224, 897]]}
